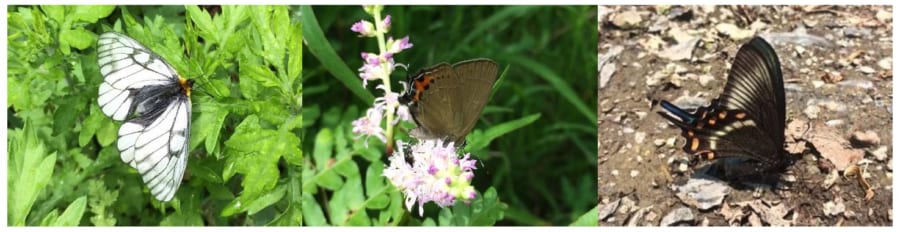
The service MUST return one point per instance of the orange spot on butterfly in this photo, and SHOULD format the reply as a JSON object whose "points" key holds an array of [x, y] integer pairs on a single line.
{"points": [[422, 85], [710, 155]]}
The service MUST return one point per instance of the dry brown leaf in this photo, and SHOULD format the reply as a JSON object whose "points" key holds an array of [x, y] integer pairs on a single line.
{"points": [[832, 146]]}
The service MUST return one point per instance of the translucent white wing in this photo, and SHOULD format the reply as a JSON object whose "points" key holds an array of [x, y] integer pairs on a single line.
{"points": [[158, 149], [126, 65]]}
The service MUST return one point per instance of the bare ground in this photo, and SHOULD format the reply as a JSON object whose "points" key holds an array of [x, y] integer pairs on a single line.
{"points": [[837, 67]]}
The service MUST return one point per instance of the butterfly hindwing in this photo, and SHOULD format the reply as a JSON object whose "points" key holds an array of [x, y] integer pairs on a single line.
{"points": [[475, 80]]}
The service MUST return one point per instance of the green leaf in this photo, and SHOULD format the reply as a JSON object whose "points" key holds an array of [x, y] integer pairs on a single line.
{"points": [[203, 21], [482, 140], [312, 212], [347, 200], [89, 126], [322, 155], [207, 127], [72, 215], [295, 53], [485, 210], [78, 38], [50, 218], [55, 12], [108, 133], [266, 200], [318, 46], [182, 218], [91, 13], [590, 113], [589, 218], [292, 216], [32, 172]]}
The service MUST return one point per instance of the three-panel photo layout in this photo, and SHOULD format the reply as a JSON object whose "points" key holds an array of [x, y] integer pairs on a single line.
{"points": [[449, 115]]}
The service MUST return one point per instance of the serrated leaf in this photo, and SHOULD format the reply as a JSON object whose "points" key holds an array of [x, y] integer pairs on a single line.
{"points": [[203, 21]]}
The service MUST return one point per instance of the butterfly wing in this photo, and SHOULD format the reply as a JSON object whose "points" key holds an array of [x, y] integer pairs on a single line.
{"points": [[157, 146], [127, 66], [475, 80], [140, 88]]}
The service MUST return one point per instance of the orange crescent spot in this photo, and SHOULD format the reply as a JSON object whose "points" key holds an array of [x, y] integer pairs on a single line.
{"points": [[695, 143]]}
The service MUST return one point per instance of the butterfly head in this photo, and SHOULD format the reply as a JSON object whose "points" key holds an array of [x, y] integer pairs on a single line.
{"points": [[186, 84]]}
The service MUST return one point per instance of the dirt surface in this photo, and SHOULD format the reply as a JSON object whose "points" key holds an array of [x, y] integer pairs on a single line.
{"points": [[837, 67]]}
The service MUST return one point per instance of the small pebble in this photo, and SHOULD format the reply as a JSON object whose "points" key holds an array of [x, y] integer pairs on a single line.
{"points": [[682, 214], [886, 63], [867, 138], [811, 111], [879, 153], [866, 69], [659, 142]]}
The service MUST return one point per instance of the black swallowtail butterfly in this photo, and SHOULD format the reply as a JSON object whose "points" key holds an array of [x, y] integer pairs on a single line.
{"points": [[747, 121]]}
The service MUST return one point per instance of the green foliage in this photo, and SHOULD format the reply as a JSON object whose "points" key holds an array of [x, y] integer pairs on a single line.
{"points": [[30, 169], [541, 117], [244, 164]]}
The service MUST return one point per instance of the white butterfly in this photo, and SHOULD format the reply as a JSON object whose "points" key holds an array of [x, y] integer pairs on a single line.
{"points": [[140, 88]]}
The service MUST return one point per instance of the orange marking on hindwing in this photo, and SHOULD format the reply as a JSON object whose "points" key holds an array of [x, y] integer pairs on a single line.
{"points": [[695, 143]]}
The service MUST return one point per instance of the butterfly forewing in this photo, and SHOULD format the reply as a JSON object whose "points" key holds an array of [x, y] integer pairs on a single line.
{"points": [[140, 88], [431, 111], [755, 86]]}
